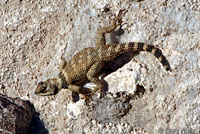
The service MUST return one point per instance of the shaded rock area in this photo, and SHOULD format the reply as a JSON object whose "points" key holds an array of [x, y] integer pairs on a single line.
{"points": [[110, 108], [15, 115]]}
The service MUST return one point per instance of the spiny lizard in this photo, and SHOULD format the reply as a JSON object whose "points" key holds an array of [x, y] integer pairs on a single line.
{"points": [[88, 63]]}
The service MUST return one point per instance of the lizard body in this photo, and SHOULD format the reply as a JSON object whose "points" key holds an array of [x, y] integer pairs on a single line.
{"points": [[87, 63]]}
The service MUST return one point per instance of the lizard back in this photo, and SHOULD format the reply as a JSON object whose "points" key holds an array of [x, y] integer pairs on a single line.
{"points": [[78, 66]]}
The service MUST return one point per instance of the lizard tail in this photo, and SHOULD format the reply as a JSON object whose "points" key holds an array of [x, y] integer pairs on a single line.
{"points": [[111, 51]]}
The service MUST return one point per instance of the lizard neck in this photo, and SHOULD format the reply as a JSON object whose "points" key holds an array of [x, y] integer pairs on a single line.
{"points": [[63, 82]]}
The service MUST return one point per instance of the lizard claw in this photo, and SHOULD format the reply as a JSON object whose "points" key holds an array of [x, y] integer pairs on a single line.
{"points": [[118, 19], [87, 98], [89, 95], [121, 11]]}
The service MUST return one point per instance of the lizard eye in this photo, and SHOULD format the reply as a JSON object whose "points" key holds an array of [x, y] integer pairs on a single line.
{"points": [[41, 88]]}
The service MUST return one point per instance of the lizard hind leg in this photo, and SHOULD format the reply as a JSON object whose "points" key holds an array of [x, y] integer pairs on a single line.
{"points": [[76, 90], [92, 76], [100, 37]]}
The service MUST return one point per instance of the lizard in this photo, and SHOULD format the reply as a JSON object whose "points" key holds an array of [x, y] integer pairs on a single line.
{"points": [[87, 63]]}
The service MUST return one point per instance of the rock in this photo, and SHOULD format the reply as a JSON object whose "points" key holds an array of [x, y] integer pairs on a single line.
{"points": [[110, 108], [15, 115], [33, 36]]}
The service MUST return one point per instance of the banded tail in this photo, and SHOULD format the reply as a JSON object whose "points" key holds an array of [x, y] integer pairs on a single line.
{"points": [[111, 51]]}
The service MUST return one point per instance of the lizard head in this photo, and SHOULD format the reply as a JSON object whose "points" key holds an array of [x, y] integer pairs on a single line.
{"points": [[48, 87]]}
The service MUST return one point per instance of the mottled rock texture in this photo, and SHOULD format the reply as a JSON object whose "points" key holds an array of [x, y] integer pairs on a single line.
{"points": [[15, 115], [33, 35]]}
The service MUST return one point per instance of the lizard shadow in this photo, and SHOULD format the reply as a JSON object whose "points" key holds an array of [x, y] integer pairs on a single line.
{"points": [[119, 61], [110, 66]]}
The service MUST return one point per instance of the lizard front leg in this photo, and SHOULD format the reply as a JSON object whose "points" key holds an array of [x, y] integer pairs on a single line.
{"points": [[100, 37], [76, 90], [79, 89], [92, 76]]}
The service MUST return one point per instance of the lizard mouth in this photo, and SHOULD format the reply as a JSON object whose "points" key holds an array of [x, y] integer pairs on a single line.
{"points": [[46, 91]]}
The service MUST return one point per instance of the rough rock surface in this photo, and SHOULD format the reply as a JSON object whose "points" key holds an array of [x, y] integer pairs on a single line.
{"points": [[33, 35], [15, 115]]}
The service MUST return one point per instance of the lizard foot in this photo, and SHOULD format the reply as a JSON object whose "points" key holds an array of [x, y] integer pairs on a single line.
{"points": [[117, 21]]}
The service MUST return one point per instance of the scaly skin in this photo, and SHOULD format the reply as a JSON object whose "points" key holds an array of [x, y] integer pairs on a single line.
{"points": [[87, 63]]}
